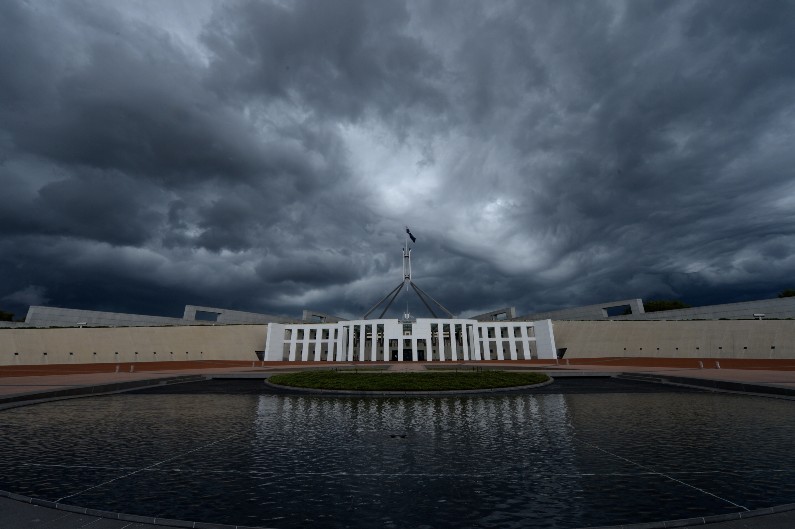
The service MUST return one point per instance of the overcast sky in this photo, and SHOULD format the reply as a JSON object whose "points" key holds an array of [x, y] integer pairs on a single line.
{"points": [[266, 155]]}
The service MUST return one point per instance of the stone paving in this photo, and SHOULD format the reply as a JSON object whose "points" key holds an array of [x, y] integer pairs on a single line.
{"points": [[28, 384], [407, 367], [20, 515]]}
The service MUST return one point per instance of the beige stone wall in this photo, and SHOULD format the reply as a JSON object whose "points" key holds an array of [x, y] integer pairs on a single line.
{"points": [[676, 339], [584, 339], [100, 345]]}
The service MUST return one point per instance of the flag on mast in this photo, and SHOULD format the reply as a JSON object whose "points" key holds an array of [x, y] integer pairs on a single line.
{"points": [[413, 238]]}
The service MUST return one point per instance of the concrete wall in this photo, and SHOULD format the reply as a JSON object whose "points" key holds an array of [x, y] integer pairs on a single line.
{"points": [[100, 345], [507, 313], [227, 316], [771, 308], [587, 312], [58, 317], [39, 316], [779, 308], [314, 316], [677, 339]]}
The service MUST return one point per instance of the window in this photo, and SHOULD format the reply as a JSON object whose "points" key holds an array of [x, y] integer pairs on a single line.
{"points": [[203, 315], [618, 310]]}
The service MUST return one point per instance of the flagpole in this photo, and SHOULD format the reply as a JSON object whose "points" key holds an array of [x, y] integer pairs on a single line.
{"points": [[407, 281]]}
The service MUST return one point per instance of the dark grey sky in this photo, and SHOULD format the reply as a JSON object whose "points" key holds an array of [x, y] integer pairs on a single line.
{"points": [[265, 156]]}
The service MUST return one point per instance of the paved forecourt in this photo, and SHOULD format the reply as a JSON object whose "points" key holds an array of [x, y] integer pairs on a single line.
{"points": [[21, 386]]}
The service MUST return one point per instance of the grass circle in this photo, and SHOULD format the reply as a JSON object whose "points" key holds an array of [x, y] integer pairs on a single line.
{"points": [[412, 381]]}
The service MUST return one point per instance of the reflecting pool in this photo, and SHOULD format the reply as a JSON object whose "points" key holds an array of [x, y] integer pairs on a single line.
{"points": [[561, 457]]}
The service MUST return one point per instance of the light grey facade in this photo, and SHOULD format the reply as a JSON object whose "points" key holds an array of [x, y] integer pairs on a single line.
{"points": [[779, 308], [39, 316], [507, 313], [197, 314], [314, 316], [587, 312], [59, 317]]}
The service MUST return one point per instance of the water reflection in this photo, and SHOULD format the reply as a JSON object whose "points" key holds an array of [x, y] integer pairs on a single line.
{"points": [[397, 459], [554, 460]]}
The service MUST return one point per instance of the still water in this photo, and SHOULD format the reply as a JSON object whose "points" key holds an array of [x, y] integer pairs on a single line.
{"points": [[566, 459]]}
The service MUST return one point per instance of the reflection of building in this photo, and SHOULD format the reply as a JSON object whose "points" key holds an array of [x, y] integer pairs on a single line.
{"points": [[423, 339], [414, 456]]}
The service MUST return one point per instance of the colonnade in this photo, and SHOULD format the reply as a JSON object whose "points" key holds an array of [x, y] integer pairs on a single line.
{"points": [[420, 340]]}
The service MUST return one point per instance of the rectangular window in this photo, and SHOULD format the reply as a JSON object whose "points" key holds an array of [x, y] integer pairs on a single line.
{"points": [[203, 315], [619, 310]]}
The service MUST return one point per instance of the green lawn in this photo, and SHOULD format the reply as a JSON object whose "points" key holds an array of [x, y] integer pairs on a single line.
{"points": [[428, 381]]}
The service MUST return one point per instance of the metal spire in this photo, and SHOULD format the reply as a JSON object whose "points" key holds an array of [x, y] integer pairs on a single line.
{"points": [[407, 282]]}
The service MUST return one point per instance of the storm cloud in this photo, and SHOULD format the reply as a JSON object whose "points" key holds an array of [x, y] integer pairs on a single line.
{"points": [[266, 156]]}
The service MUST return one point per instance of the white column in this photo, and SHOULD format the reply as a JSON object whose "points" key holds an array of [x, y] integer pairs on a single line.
{"points": [[274, 342], [293, 338], [512, 336], [342, 353], [349, 352], [374, 343], [318, 343], [525, 341], [400, 349], [440, 342], [453, 344], [414, 355], [545, 340], [465, 338], [305, 346], [477, 342]]}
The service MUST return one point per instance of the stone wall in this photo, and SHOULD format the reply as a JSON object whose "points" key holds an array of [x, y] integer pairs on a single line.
{"points": [[677, 339], [583, 339], [130, 344]]}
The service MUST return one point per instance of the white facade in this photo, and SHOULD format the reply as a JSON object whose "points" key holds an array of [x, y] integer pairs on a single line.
{"points": [[422, 340]]}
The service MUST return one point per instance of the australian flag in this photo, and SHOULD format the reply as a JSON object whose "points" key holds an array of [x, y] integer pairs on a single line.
{"points": [[412, 237]]}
